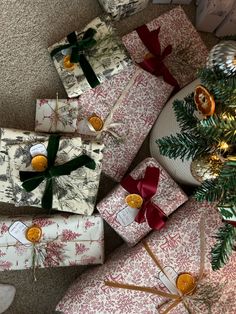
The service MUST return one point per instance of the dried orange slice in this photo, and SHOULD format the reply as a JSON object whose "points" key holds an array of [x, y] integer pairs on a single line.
{"points": [[39, 163], [33, 234], [67, 64], [134, 200], [186, 283], [204, 101], [96, 122]]}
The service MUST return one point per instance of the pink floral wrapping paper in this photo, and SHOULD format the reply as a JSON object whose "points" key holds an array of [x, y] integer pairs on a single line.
{"points": [[120, 216], [138, 97], [66, 240], [188, 54], [177, 246]]}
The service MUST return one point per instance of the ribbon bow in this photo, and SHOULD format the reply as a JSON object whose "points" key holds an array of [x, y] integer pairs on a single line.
{"points": [[31, 180], [77, 53], [147, 188], [155, 64]]}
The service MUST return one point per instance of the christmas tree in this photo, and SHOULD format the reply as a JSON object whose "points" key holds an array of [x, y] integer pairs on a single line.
{"points": [[207, 119]]}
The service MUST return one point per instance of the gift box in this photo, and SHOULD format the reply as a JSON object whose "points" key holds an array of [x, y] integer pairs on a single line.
{"points": [[120, 9], [172, 1], [228, 26], [210, 13], [58, 186], [56, 115], [180, 248], [168, 46], [160, 199], [52, 241], [85, 59]]}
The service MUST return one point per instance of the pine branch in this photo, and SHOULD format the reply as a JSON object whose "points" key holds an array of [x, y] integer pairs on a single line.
{"points": [[183, 145], [222, 250], [184, 111], [227, 176], [209, 191]]}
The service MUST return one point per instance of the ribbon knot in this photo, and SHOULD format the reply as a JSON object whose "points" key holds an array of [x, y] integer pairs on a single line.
{"points": [[154, 64], [78, 49], [31, 180], [147, 188]]}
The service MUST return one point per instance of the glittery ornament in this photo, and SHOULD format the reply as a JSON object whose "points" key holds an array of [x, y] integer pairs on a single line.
{"points": [[223, 57], [206, 168]]}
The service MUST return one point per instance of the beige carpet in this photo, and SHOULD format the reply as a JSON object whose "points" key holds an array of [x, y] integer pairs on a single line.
{"points": [[28, 27]]}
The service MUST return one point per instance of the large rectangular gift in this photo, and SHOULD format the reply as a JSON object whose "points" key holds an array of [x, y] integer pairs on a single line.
{"points": [[210, 13], [144, 279], [49, 171], [85, 59], [156, 196], [56, 115], [123, 8], [168, 46], [59, 240]]}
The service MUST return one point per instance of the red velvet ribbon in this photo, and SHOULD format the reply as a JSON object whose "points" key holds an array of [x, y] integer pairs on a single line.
{"points": [[147, 188], [155, 64]]}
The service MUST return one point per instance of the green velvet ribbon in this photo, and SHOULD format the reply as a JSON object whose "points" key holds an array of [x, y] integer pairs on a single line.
{"points": [[77, 53], [31, 180]]}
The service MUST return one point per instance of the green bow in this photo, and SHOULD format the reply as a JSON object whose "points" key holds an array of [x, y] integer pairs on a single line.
{"points": [[31, 180], [77, 53]]}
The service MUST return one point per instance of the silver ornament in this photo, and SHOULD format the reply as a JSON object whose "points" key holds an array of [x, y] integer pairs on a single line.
{"points": [[223, 56]]}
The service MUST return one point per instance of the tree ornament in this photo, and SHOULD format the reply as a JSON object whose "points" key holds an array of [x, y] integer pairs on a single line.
{"points": [[204, 101], [223, 56], [206, 167]]}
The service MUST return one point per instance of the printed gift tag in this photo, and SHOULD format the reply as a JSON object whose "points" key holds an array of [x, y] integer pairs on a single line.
{"points": [[18, 230], [168, 279], [127, 215]]}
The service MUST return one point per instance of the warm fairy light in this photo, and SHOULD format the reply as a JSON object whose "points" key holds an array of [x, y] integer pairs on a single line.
{"points": [[224, 146]]}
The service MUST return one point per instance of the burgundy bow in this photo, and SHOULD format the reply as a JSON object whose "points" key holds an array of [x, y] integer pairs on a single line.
{"points": [[147, 188], [155, 64]]}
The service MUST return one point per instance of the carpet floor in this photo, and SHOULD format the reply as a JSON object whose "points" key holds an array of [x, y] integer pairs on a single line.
{"points": [[28, 27]]}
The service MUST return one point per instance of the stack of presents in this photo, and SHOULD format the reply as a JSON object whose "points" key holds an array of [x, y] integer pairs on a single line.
{"points": [[116, 89]]}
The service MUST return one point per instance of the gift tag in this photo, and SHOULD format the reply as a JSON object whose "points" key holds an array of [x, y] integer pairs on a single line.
{"points": [[18, 231], [38, 149], [66, 51], [85, 128], [127, 215], [168, 279]]}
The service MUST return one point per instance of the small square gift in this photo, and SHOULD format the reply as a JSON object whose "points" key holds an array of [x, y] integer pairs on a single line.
{"points": [[210, 13], [169, 46], [121, 113], [49, 171], [123, 8], [228, 26], [56, 115], [84, 60], [169, 272], [61, 240], [141, 202]]}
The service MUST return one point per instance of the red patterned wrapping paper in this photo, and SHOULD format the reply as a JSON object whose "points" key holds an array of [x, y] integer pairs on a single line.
{"points": [[177, 246], [120, 217], [188, 54]]}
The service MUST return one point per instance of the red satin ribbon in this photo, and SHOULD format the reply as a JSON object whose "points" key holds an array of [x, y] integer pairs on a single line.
{"points": [[155, 64], [147, 188]]}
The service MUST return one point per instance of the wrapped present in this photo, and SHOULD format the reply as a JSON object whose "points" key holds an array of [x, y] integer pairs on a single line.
{"points": [[121, 113], [172, 1], [228, 26], [160, 196], [120, 9], [42, 170], [56, 115], [132, 282], [210, 13], [59, 240], [84, 60], [168, 46]]}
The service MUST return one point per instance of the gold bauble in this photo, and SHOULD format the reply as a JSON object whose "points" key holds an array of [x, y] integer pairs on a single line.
{"points": [[206, 167]]}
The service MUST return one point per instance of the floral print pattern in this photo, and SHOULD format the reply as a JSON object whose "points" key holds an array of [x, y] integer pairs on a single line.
{"points": [[134, 266], [107, 58], [64, 242], [168, 198]]}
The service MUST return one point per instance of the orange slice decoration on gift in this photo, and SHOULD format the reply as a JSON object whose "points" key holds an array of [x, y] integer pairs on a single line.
{"points": [[148, 55], [186, 283], [33, 234], [204, 101], [67, 64], [39, 163], [134, 200], [96, 122]]}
